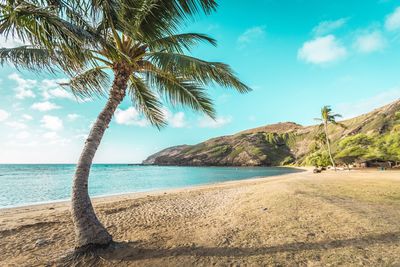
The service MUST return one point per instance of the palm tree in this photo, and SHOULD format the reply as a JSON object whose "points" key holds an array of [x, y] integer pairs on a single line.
{"points": [[319, 140], [327, 117], [138, 41]]}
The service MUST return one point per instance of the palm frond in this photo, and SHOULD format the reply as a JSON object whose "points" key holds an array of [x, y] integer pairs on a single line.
{"points": [[41, 59], [90, 83], [179, 42], [146, 102], [153, 19], [41, 26], [337, 116], [181, 92], [198, 70], [339, 124], [195, 6], [328, 117], [34, 59]]}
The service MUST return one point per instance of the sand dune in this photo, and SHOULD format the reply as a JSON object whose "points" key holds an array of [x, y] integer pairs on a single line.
{"points": [[344, 218]]}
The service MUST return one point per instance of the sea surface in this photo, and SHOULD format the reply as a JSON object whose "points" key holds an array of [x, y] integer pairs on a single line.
{"points": [[24, 184]]}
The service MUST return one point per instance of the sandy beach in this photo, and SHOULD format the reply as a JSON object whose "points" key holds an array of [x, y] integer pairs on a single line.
{"points": [[300, 219]]}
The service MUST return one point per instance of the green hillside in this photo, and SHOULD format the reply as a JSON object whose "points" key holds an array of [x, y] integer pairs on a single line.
{"points": [[371, 136]]}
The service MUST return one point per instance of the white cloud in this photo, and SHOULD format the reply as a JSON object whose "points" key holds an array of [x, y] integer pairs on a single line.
{"points": [[58, 93], [22, 135], [52, 89], [53, 138], [44, 106], [329, 26], [175, 120], [322, 50], [21, 145], [17, 106], [73, 116], [3, 115], [52, 83], [370, 42], [52, 123], [250, 35], [353, 109], [129, 116], [207, 122], [16, 125], [50, 135], [10, 42], [24, 86], [392, 22], [27, 117], [81, 136], [83, 100]]}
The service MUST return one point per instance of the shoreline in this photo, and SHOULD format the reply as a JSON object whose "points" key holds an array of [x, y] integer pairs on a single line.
{"points": [[156, 191], [178, 189], [294, 219]]}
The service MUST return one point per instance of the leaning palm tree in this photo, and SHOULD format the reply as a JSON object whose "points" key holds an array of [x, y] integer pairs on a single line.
{"points": [[328, 118], [139, 42]]}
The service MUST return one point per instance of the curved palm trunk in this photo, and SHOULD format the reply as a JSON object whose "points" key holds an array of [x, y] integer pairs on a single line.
{"points": [[328, 143], [88, 229]]}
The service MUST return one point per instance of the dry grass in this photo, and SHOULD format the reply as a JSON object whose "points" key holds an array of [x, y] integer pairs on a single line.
{"points": [[302, 219]]}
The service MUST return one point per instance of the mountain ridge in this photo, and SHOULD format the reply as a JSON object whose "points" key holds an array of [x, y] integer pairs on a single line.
{"points": [[278, 144]]}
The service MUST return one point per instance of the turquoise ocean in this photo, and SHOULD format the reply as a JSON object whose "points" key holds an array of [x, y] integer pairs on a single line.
{"points": [[25, 184]]}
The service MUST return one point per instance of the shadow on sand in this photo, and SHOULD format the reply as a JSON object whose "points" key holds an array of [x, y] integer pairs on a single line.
{"points": [[131, 251]]}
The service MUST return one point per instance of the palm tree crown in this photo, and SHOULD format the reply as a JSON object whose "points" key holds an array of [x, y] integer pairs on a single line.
{"points": [[140, 42], [327, 115], [138, 35]]}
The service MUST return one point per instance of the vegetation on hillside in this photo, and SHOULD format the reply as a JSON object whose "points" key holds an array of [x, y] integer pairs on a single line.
{"points": [[362, 147], [372, 137], [374, 146]]}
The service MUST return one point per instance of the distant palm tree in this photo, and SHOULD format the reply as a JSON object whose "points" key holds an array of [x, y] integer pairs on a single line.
{"points": [[138, 41], [327, 117], [320, 140]]}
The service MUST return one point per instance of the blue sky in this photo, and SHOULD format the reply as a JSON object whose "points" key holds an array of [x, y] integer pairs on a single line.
{"points": [[297, 55]]}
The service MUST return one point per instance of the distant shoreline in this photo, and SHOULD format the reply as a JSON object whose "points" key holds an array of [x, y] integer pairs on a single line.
{"points": [[156, 190], [133, 195]]}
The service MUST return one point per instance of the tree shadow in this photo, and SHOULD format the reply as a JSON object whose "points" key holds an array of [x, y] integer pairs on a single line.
{"points": [[132, 251]]}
